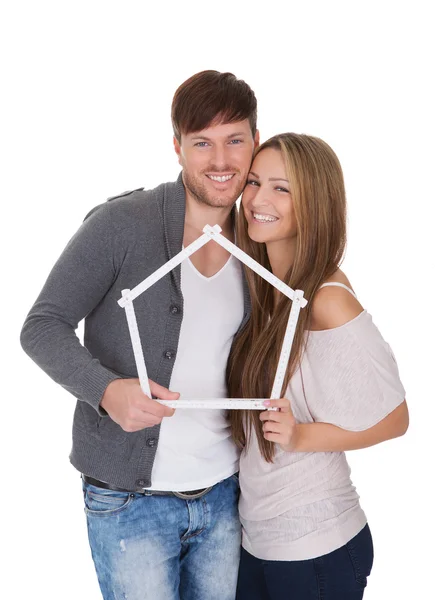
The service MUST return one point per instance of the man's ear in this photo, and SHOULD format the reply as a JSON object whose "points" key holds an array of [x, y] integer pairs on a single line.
{"points": [[257, 139], [177, 148]]}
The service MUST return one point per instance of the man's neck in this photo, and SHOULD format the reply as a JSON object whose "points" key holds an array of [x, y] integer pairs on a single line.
{"points": [[211, 258], [198, 215]]}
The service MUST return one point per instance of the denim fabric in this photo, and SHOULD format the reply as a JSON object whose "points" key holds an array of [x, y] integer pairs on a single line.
{"points": [[339, 575], [163, 547]]}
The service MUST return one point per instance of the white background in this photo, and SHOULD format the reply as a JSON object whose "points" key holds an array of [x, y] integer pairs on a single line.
{"points": [[87, 88]]}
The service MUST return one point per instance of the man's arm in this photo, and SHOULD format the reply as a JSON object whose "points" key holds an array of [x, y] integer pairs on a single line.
{"points": [[77, 283]]}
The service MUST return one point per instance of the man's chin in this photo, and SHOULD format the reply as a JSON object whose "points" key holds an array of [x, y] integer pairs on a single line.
{"points": [[226, 200]]}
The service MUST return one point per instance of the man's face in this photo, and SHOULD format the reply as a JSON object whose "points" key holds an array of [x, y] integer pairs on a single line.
{"points": [[216, 162]]}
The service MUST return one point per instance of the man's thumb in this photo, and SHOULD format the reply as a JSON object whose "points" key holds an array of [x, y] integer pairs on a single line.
{"points": [[161, 392]]}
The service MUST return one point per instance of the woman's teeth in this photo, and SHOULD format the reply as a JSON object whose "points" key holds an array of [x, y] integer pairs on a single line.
{"points": [[264, 218]]}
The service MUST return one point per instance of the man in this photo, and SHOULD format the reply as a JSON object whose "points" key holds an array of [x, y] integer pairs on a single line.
{"points": [[160, 488]]}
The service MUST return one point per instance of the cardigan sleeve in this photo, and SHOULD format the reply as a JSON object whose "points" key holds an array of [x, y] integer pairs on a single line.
{"points": [[78, 281]]}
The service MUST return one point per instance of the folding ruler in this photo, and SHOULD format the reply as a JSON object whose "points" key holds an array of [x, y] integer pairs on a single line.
{"points": [[298, 302]]}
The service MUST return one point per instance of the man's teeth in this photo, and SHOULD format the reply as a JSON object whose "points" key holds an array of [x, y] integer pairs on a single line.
{"points": [[264, 218], [221, 178]]}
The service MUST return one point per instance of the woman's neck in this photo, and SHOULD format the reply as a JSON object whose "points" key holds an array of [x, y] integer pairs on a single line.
{"points": [[281, 254]]}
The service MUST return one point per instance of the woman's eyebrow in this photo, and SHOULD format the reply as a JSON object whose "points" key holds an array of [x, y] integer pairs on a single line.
{"points": [[270, 178]]}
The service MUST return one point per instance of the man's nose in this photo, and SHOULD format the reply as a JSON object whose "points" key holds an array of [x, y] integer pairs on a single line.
{"points": [[220, 156]]}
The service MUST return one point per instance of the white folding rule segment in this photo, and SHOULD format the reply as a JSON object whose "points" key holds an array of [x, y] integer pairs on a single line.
{"points": [[298, 302]]}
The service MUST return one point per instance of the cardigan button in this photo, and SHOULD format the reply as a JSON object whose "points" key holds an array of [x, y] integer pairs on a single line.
{"points": [[169, 354]]}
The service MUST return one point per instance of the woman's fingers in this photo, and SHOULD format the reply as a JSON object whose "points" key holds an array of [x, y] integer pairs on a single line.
{"points": [[283, 404], [273, 437], [279, 426], [272, 427], [271, 415]]}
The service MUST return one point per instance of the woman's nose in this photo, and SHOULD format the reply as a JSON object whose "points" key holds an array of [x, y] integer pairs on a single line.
{"points": [[260, 199]]}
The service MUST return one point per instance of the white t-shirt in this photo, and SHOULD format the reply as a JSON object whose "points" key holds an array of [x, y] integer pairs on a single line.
{"points": [[195, 448]]}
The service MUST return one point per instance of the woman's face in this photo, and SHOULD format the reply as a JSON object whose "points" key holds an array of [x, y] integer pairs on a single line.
{"points": [[266, 200]]}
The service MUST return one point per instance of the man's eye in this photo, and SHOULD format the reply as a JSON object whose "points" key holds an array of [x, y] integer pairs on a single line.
{"points": [[236, 142], [253, 182], [201, 144]]}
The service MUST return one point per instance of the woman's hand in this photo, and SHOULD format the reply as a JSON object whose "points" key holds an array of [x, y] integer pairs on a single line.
{"points": [[279, 426]]}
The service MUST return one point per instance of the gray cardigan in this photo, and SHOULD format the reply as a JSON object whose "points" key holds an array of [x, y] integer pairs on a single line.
{"points": [[119, 244]]}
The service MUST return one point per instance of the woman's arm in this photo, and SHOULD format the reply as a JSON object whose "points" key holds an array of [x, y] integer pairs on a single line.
{"points": [[281, 428], [323, 437], [332, 307]]}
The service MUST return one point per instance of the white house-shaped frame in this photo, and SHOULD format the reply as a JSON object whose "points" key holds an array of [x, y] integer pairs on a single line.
{"points": [[298, 302]]}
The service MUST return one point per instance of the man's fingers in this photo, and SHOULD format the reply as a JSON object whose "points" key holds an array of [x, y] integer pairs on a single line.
{"points": [[157, 409], [161, 392], [149, 406], [140, 419], [169, 412]]}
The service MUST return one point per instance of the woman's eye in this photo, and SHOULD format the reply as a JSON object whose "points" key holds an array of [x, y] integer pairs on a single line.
{"points": [[281, 189], [252, 182]]}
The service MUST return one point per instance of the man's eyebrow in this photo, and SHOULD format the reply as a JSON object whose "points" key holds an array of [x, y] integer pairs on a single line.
{"points": [[270, 178], [203, 137]]}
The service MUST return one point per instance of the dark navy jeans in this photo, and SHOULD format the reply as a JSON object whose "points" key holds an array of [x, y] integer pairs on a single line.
{"points": [[163, 547], [339, 575]]}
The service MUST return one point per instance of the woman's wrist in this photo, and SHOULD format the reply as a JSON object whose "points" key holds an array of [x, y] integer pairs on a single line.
{"points": [[295, 441]]}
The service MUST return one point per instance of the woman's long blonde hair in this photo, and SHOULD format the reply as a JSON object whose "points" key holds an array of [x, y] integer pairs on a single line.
{"points": [[319, 200]]}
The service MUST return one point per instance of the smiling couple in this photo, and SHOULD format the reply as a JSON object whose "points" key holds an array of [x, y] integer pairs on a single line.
{"points": [[161, 486]]}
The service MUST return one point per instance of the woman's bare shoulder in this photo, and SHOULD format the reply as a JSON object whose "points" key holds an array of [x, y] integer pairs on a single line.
{"points": [[334, 306]]}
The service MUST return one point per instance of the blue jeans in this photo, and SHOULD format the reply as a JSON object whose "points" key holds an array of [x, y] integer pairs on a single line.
{"points": [[339, 575], [163, 547]]}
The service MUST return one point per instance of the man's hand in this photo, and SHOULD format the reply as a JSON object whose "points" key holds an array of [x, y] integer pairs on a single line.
{"points": [[279, 426], [131, 409]]}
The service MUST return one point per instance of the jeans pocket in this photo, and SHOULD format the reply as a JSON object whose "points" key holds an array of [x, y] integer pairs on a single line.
{"points": [[103, 503], [360, 550]]}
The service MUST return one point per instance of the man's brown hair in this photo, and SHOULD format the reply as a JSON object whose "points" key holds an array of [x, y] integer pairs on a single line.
{"points": [[212, 97]]}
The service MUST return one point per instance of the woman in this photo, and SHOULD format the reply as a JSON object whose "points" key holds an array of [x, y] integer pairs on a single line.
{"points": [[305, 535]]}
